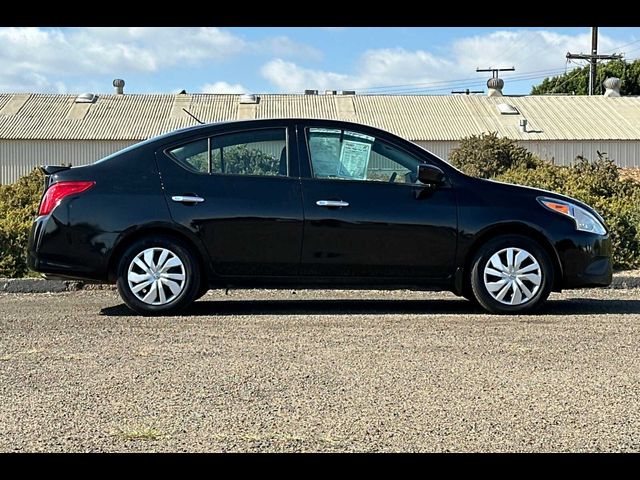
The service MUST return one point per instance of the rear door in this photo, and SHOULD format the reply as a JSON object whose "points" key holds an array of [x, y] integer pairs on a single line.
{"points": [[239, 191]]}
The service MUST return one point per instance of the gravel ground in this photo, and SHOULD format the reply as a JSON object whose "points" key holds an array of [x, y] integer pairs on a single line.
{"points": [[319, 371]]}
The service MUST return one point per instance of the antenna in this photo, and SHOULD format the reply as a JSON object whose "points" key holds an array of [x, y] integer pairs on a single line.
{"points": [[495, 70], [193, 116], [467, 91]]}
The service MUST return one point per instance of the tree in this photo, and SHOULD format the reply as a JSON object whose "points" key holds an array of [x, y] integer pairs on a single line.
{"points": [[577, 81]]}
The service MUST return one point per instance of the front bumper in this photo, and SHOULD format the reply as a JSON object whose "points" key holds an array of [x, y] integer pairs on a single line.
{"points": [[586, 260]]}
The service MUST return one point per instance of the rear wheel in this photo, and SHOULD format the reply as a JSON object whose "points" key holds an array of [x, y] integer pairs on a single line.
{"points": [[511, 274], [158, 276]]}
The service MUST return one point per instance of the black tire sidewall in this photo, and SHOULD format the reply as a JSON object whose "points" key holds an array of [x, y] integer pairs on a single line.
{"points": [[184, 299], [483, 255]]}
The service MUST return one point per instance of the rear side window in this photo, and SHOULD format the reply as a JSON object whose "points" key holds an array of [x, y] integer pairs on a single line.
{"points": [[193, 155], [253, 152]]}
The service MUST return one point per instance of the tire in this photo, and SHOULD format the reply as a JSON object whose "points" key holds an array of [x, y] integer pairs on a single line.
{"points": [[204, 288], [162, 282], [511, 274]]}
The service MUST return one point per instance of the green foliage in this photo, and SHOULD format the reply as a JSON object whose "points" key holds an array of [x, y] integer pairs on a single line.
{"points": [[240, 159], [18, 207], [598, 184], [487, 155], [577, 81]]}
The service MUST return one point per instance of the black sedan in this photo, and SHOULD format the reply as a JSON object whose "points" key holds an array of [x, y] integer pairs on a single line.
{"points": [[304, 203]]}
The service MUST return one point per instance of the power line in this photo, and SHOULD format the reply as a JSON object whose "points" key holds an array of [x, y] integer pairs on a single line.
{"points": [[455, 81], [576, 72], [442, 89], [620, 46], [448, 84], [415, 91]]}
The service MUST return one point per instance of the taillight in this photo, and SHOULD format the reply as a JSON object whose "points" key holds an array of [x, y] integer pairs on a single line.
{"points": [[56, 192]]}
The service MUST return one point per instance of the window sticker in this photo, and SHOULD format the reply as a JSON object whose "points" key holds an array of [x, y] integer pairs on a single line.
{"points": [[354, 159], [325, 151], [361, 136]]}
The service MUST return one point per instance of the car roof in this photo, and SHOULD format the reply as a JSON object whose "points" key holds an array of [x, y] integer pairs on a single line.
{"points": [[258, 121]]}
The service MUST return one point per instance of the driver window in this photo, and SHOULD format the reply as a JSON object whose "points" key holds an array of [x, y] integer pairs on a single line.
{"points": [[347, 155]]}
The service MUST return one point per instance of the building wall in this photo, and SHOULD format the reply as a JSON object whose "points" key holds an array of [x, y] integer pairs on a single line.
{"points": [[626, 153], [19, 157]]}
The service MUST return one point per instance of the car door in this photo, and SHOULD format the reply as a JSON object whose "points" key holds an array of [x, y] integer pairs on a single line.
{"points": [[238, 191], [365, 213]]}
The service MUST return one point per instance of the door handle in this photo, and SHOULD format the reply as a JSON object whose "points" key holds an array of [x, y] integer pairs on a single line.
{"points": [[332, 203], [187, 199]]}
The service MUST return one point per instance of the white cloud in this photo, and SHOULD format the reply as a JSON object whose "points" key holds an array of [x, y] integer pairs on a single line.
{"points": [[289, 77], [282, 46], [375, 67], [34, 59], [223, 87], [527, 50]]}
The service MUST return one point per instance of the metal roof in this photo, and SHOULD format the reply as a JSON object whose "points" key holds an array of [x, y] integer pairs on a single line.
{"points": [[416, 117]]}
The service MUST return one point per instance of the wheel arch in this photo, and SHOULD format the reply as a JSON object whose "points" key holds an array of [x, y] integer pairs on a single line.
{"points": [[513, 228], [165, 230]]}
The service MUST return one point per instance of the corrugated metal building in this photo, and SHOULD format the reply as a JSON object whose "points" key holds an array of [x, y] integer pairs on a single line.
{"points": [[51, 128]]}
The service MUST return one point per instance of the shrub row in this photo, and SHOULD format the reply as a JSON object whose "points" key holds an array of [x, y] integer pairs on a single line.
{"points": [[18, 207]]}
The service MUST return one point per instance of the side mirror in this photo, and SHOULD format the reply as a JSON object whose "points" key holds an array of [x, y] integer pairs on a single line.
{"points": [[430, 174]]}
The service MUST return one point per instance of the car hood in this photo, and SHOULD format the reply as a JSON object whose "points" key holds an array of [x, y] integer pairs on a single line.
{"points": [[535, 192]]}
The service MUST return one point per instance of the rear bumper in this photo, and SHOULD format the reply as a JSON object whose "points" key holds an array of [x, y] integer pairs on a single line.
{"points": [[586, 261], [59, 251]]}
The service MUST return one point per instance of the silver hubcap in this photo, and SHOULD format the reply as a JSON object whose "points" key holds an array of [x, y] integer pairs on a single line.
{"points": [[512, 276], [156, 276]]}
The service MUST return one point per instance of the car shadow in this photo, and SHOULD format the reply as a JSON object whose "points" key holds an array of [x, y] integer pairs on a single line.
{"points": [[574, 306]]}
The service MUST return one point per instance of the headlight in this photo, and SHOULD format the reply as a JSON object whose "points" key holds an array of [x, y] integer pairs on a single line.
{"points": [[585, 221]]}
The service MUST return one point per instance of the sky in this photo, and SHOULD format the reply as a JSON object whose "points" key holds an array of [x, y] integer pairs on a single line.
{"points": [[402, 60]]}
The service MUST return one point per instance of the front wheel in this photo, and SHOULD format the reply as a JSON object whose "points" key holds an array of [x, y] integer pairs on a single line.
{"points": [[158, 276], [511, 274]]}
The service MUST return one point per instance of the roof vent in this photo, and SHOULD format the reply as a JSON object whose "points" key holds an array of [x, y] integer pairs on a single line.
{"points": [[86, 98], [506, 109], [249, 98], [495, 87], [119, 84], [523, 125], [311, 92], [612, 86]]}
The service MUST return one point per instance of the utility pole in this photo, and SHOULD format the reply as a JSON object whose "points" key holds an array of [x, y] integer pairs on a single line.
{"points": [[593, 59], [593, 64]]}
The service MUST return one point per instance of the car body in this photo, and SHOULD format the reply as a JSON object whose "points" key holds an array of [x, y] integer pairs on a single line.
{"points": [[308, 203]]}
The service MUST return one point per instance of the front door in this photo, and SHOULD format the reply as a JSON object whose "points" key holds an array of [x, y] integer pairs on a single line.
{"points": [[235, 191], [365, 213]]}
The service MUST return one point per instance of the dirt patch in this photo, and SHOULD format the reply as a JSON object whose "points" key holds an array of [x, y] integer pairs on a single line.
{"points": [[632, 173]]}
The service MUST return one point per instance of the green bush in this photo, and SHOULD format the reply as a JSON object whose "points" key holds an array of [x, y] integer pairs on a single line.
{"points": [[598, 184], [18, 207], [487, 155]]}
